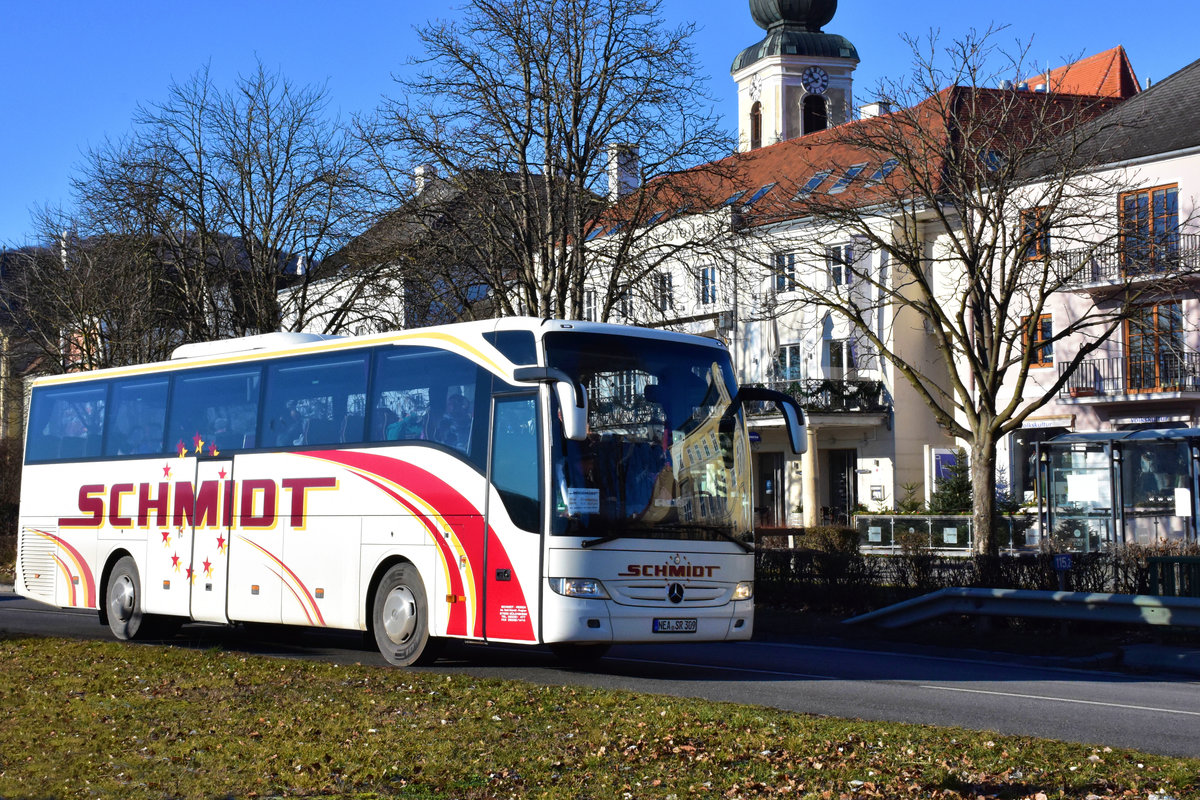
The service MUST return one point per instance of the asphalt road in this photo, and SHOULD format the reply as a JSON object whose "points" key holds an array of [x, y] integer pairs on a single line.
{"points": [[1157, 714]]}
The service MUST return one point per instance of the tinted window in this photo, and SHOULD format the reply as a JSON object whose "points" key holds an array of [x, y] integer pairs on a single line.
{"points": [[426, 394], [137, 417], [518, 347], [215, 407], [66, 422], [318, 400], [515, 459]]}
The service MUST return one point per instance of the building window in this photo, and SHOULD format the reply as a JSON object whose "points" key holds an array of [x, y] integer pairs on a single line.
{"points": [[1154, 347], [756, 126], [1149, 229], [840, 260], [789, 363], [708, 286], [785, 272], [1040, 347], [664, 293], [625, 305], [589, 305], [1035, 233], [843, 360]]}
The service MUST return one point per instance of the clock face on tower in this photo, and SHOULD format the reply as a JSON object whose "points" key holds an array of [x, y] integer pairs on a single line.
{"points": [[815, 80]]}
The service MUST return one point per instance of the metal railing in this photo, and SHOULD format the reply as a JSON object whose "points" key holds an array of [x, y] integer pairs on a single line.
{"points": [[1166, 371], [1141, 259], [895, 532], [1175, 576], [830, 395]]}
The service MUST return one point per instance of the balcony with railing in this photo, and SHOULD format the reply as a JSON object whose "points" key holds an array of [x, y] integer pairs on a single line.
{"points": [[835, 396], [1125, 378], [1172, 255]]}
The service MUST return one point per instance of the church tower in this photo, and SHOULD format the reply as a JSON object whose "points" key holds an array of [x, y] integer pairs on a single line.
{"points": [[798, 79]]}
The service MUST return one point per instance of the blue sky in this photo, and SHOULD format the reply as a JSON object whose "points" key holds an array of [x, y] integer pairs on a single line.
{"points": [[74, 70]]}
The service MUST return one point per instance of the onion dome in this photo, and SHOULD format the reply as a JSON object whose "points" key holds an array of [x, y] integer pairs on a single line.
{"points": [[794, 29]]}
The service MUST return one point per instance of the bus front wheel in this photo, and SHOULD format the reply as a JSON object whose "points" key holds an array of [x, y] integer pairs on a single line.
{"points": [[400, 618]]}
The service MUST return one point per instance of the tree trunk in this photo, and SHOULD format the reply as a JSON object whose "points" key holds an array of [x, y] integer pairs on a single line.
{"points": [[983, 494]]}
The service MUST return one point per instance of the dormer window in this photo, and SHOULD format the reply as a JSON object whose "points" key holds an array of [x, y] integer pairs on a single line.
{"points": [[811, 185], [843, 182]]}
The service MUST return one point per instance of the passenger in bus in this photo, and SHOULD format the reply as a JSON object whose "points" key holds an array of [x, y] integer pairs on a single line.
{"points": [[138, 443], [454, 429], [411, 427], [290, 428]]}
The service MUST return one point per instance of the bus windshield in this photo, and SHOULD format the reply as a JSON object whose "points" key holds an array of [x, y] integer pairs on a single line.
{"points": [[657, 462]]}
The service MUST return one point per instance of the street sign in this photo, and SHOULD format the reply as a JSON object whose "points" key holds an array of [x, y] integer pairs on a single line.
{"points": [[1062, 562]]}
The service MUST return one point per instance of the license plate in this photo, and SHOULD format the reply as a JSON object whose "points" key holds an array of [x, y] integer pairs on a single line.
{"points": [[678, 625]]}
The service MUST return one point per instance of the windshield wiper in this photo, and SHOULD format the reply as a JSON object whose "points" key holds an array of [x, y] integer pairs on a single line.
{"points": [[612, 537]]}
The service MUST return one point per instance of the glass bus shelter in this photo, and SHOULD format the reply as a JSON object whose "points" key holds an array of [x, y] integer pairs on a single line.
{"points": [[1097, 489]]}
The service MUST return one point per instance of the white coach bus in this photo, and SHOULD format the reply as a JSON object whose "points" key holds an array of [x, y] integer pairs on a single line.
{"points": [[516, 480]]}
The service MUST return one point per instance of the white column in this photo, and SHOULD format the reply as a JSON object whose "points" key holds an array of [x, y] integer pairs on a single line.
{"points": [[809, 479]]}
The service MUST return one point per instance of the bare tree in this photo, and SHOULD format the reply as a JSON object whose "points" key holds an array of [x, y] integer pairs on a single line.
{"points": [[235, 193], [88, 304], [961, 186], [521, 108]]}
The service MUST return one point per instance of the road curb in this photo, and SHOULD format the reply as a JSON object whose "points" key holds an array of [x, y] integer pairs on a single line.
{"points": [[1158, 658]]}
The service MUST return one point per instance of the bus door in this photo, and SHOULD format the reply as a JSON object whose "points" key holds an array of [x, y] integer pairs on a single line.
{"points": [[512, 549], [212, 514]]}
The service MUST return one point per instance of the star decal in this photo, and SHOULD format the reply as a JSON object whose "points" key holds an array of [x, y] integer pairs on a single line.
{"points": [[166, 470], [166, 538], [212, 449], [208, 567], [221, 474], [221, 544], [191, 576], [182, 448], [175, 562], [198, 443]]}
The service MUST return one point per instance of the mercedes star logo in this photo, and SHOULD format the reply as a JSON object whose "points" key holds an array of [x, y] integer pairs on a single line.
{"points": [[675, 592]]}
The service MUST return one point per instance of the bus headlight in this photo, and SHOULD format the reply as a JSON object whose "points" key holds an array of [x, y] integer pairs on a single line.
{"points": [[743, 591], [579, 587]]}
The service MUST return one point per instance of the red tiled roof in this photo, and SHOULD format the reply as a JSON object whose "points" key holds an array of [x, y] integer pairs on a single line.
{"points": [[926, 134], [1107, 74]]}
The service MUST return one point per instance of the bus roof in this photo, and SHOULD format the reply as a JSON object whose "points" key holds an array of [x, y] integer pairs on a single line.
{"points": [[225, 351]]}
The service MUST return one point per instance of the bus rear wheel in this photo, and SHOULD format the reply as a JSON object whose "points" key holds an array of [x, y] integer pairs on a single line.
{"points": [[400, 618], [123, 601]]}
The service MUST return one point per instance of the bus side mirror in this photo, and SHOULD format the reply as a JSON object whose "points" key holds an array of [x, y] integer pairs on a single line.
{"points": [[574, 417], [572, 397], [793, 415]]}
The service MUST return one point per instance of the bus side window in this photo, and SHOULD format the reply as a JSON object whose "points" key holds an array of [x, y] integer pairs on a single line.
{"points": [[315, 400], [214, 409], [426, 394], [137, 417], [66, 422]]}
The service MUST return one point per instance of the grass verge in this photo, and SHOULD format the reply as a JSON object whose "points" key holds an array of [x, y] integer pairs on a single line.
{"points": [[87, 719]]}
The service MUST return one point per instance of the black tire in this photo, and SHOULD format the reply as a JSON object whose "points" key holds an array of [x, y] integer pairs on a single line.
{"points": [[400, 618], [123, 607], [572, 654], [123, 601]]}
